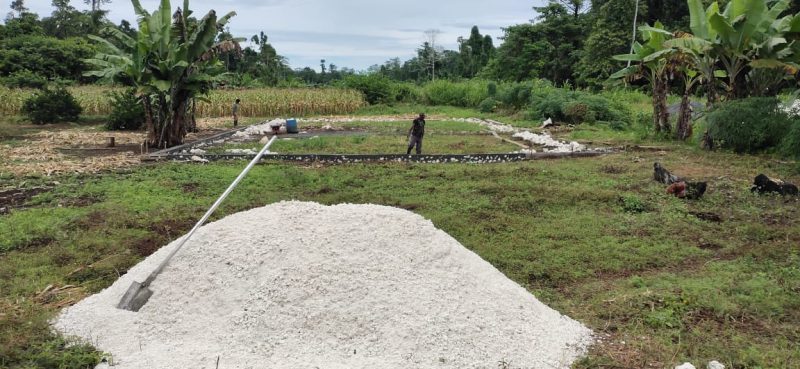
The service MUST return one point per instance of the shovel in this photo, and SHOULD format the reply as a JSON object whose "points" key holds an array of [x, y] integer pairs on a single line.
{"points": [[138, 293]]}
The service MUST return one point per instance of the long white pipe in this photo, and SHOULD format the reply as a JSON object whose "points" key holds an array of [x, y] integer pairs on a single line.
{"points": [[210, 211]]}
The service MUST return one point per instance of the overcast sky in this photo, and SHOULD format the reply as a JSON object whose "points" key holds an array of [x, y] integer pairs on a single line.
{"points": [[348, 33]]}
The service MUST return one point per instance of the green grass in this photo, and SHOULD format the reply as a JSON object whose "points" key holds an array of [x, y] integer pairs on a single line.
{"points": [[431, 126], [608, 248], [594, 238], [380, 144]]}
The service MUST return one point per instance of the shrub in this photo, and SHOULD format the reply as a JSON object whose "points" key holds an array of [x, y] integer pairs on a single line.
{"points": [[578, 112], [791, 143], [51, 105], [550, 104], [127, 112], [376, 88], [406, 93], [487, 105], [516, 95], [633, 204], [578, 107], [466, 94], [491, 89], [749, 125], [25, 79]]}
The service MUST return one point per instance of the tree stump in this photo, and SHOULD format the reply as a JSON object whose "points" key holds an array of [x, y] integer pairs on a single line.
{"points": [[111, 142]]}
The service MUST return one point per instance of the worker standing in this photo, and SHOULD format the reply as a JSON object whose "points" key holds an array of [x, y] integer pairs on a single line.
{"points": [[235, 110], [415, 134]]}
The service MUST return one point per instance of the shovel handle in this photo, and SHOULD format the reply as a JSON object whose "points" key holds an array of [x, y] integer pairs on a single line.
{"points": [[210, 211]]}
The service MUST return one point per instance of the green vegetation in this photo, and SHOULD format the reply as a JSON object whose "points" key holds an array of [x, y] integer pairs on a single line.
{"points": [[51, 105], [751, 125], [661, 280], [381, 144], [127, 112], [609, 249], [171, 61]]}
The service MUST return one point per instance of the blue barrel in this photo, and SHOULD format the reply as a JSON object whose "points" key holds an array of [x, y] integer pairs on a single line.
{"points": [[291, 126]]}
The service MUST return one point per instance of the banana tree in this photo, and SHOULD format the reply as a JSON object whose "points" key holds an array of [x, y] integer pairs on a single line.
{"points": [[778, 57], [739, 33], [697, 67], [172, 61], [653, 63]]}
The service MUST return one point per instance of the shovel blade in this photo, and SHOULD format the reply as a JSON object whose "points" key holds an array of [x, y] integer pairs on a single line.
{"points": [[136, 296]]}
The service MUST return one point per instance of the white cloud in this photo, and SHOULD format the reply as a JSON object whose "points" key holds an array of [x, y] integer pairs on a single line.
{"points": [[355, 33]]}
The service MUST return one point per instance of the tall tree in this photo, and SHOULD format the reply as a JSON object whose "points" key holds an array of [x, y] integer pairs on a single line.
{"points": [[96, 4], [19, 7], [66, 21], [431, 51], [547, 48], [474, 52], [172, 60], [610, 35], [574, 7], [271, 67]]}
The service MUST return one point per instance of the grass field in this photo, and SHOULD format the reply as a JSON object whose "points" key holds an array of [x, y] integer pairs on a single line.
{"points": [[660, 280], [594, 238], [441, 137], [382, 144]]}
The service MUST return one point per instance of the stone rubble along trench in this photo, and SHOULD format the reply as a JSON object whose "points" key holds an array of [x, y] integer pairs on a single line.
{"points": [[303, 285]]}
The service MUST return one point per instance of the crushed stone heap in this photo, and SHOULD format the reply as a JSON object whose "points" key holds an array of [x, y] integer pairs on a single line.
{"points": [[303, 285]]}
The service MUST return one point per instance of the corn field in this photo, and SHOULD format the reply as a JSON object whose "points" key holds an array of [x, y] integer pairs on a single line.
{"points": [[264, 102]]}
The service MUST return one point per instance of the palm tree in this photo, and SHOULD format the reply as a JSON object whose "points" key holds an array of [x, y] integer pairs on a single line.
{"points": [[172, 61]]}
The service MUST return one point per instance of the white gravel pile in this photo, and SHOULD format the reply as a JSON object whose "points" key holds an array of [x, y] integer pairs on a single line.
{"points": [[259, 129], [550, 144], [302, 285]]}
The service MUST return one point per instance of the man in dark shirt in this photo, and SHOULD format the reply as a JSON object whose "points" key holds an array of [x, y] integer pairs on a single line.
{"points": [[415, 134], [235, 110]]}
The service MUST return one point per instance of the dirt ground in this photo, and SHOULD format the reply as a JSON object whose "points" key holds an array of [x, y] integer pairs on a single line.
{"points": [[52, 150]]}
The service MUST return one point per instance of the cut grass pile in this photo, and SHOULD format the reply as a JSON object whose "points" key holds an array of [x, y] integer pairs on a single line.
{"points": [[661, 280]]}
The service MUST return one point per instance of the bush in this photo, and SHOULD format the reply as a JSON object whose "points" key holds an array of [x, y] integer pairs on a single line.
{"points": [[516, 95], [465, 94], [487, 105], [749, 125], [791, 143], [127, 112], [578, 112], [377, 88], [491, 89], [51, 105], [578, 107], [25, 79], [406, 93]]}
